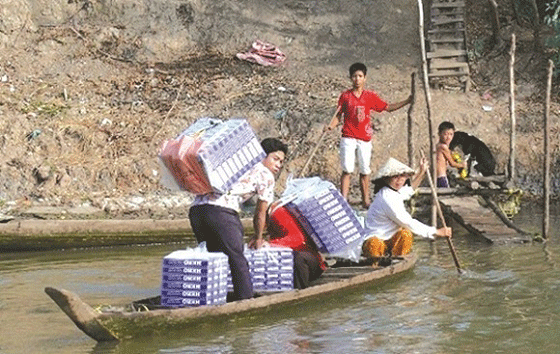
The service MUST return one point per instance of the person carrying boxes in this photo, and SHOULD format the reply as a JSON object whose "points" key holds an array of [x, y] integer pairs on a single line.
{"points": [[215, 218]]}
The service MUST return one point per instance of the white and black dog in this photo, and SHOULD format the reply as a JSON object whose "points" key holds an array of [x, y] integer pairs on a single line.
{"points": [[476, 152]]}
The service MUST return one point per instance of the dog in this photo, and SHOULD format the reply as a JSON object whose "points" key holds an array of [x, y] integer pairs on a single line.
{"points": [[476, 152]]}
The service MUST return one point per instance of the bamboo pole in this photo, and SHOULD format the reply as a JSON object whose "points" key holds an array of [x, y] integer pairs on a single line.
{"points": [[546, 179], [410, 120], [444, 224], [428, 99], [512, 173], [319, 141]]}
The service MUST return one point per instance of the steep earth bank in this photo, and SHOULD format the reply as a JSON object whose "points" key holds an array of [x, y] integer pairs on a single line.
{"points": [[90, 88]]}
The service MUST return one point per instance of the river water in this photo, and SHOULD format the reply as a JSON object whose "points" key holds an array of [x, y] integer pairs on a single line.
{"points": [[508, 301]]}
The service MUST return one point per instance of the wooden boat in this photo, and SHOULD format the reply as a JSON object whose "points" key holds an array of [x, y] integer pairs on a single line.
{"points": [[145, 317]]}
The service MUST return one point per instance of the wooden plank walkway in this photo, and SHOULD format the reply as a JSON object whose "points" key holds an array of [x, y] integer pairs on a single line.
{"points": [[480, 221], [447, 55]]}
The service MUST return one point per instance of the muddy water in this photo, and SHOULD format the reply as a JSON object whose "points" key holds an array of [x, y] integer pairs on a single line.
{"points": [[508, 301]]}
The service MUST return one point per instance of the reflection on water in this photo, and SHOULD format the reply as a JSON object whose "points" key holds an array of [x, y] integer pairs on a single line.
{"points": [[507, 301]]}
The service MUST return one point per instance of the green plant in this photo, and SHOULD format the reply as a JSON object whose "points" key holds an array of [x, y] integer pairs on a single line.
{"points": [[49, 109]]}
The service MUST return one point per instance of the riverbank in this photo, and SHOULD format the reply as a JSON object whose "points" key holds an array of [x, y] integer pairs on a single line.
{"points": [[164, 219], [88, 93], [45, 235], [54, 228]]}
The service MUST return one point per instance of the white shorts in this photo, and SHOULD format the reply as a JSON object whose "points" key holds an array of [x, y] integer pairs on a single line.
{"points": [[349, 147]]}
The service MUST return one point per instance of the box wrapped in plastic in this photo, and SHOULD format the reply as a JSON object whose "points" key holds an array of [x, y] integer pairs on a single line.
{"points": [[326, 216], [271, 268], [210, 155], [194, 277]]}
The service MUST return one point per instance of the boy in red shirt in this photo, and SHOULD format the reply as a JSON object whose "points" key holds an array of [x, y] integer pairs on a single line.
{"points": [[354, 107]]}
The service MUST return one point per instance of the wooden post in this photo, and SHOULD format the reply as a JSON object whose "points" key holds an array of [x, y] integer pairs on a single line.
{"points": [[428, 100], [546, 179], [536, 23], [495, 23], [511, 171], [410, 120]]}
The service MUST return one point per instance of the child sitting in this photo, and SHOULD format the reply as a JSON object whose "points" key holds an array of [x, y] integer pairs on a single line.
{"points": [[446, 130]]}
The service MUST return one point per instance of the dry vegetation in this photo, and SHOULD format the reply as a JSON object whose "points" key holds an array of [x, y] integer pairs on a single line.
{"points": [[88, 92]]}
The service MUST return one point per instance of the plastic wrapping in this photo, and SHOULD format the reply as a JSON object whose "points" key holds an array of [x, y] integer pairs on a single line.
{"points": [[325, 215], [210, 155], [271, 269], [194, 277]]}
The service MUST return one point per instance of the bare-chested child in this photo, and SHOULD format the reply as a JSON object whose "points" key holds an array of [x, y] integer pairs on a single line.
{"points": [[446, 130]]}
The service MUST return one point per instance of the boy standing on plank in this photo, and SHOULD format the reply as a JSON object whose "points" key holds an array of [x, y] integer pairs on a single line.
{"points": [[354, 107]]}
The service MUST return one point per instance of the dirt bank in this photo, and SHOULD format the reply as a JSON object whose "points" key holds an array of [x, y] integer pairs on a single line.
{"points": [[90, 89]]}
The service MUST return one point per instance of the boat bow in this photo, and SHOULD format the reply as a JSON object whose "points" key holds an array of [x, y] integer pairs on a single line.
{"points": [[83, 315]]}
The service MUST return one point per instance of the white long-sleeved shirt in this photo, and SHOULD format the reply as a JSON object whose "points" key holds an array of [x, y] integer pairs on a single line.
{"points": [[387, 214]]}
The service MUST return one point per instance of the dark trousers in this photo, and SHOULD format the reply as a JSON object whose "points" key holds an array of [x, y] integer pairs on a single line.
{"points": [[222, 230], [306, 269]]}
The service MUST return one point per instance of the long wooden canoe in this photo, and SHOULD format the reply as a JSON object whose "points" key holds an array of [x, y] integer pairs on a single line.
{"points": [[141, 318]]}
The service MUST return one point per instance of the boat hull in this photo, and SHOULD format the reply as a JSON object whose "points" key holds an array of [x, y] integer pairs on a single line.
{"points": [[120, 325]]}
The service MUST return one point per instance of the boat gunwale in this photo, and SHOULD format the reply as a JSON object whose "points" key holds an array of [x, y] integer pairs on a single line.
{"points": [[104, 319], [282, 297]]}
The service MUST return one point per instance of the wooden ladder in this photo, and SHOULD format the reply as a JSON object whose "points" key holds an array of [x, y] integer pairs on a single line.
{"points": [[447, 54]]}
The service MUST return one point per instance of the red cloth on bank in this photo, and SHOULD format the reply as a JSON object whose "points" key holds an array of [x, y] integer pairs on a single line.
{"points": [[356, 113], [263, 53]]}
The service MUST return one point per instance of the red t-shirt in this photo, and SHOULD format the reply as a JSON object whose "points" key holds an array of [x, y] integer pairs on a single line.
{"points": [[356, 113], [285, 231]]}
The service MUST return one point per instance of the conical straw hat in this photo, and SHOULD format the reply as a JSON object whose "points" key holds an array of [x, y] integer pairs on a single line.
{"points": [[393, 167]]}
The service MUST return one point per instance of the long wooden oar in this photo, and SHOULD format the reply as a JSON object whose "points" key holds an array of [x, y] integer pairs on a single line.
{"points": [[440, 213], [317, 146]]}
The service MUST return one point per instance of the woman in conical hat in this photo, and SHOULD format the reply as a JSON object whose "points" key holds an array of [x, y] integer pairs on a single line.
{"points": [[389, 225]]}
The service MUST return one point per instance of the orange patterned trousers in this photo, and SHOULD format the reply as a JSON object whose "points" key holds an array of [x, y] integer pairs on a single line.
{"points": [[398, 245]]}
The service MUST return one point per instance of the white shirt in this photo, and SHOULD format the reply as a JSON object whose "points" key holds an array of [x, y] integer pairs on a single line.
{"points": [[259, 180], [387, 214]]}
